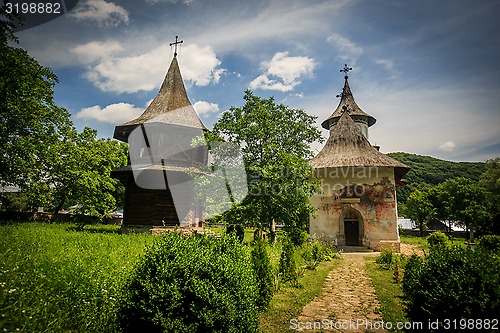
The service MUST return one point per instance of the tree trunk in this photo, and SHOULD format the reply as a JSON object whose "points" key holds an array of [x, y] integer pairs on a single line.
{"points": [[471, 235], [421, 227], [272, 232]]}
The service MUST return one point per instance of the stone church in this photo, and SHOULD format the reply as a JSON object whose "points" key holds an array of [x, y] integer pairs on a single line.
{"points": [[357, 206]]}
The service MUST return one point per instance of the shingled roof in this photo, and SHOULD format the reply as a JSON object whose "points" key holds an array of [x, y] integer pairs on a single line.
{"points": [[170, 106], [348, 147], [347, 99]]}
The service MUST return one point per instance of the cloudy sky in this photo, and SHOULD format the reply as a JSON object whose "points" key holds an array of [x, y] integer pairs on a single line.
{"points": [[428, 71]]}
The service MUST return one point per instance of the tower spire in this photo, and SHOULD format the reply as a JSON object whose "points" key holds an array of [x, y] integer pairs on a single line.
{"points": [[180, 42]]}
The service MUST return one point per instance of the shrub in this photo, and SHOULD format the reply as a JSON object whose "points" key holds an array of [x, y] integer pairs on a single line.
{"points": [[386, 258], [437, 240], [288, 264], [314, 253], [490, 243], [263, 273], [457, 283], [195, 284], [236, 229], [297, 236]]}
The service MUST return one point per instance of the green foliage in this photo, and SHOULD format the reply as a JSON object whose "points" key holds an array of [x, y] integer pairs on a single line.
{"points": [[437, 240], [296, 235], [80, 167], [275, 142], [490, 243], [314, 253], [56, 279], [263, 273], [42, 152], [30, 121], [288, 263], [419, 209], [452, 283], [386, 259], [236, 229], [490, 180], [428, 171], [195, 284]]}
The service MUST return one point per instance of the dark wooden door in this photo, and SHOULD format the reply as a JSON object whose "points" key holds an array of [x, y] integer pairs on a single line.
{"points": [[351, 232]]}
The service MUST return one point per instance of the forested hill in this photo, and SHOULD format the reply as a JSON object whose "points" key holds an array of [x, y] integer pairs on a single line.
{"points": [[426, 170]]}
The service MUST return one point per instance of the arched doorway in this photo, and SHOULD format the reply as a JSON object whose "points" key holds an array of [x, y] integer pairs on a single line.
{"points": [[351, 228]]}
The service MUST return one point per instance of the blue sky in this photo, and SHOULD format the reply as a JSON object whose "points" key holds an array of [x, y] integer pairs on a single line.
{"points": [[428, 71]]}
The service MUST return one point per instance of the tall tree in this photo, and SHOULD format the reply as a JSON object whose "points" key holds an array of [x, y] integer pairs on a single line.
{"points": [[77, 173], [419, 208], [465, 202], [40, 150], [30, 121], [275, 142], [490, 180]]}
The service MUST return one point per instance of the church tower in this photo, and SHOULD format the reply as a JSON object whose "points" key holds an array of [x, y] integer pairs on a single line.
{"points": [[358, 205], [362, 119], [159, 190]]}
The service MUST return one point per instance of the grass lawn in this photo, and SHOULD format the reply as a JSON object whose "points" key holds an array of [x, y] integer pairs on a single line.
{"points": [[54, 278], [289, 302], [58, 278], [388, 292], [422, 241]]}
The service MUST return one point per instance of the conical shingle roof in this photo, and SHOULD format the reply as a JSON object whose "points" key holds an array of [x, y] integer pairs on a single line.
{"points": [[347, 99], [348, 147], [170, 106]]}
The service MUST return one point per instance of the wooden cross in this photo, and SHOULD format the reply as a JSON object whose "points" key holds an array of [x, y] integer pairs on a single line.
{"points": [[346, 70], [180, 42]]}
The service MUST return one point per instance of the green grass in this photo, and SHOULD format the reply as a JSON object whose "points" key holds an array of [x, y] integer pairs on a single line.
{"points": [[54, 278], [59, 278], [288, 302], [388, 292], [421, 242]]}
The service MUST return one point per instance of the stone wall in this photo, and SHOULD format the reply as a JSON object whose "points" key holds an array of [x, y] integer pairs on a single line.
{"points": [[369, 194]]}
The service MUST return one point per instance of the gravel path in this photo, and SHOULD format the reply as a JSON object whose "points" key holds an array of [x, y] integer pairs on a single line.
{"points": [[347, 298]]}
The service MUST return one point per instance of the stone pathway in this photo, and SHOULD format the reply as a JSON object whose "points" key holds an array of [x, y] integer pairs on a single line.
{"points": [[347, 302]]}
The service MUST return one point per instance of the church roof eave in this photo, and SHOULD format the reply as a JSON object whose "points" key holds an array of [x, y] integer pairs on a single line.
{"points": [[348, 147], [347, 99]]}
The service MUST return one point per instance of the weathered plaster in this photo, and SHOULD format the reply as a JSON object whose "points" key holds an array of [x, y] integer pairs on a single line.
{"points": [[369, 192]]}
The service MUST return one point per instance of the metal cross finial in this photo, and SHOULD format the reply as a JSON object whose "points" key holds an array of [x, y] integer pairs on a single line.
{"points": [[346, 70], [175, 43]]}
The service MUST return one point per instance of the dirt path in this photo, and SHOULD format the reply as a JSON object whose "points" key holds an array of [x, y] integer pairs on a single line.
{"points": [[347, 298], [409, 249]]}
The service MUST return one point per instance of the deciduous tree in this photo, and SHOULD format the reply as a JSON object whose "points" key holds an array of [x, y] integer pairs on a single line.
{"points": [[275, 141]]}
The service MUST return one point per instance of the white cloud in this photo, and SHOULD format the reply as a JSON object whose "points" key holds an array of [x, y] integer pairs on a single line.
{"points": [[130, 74], [114, 113], [347, 48], [285, 72], [389, 66], [100, 11], [386, 63], [154, 2], [447, 146], [93, 51], [203, 107], [199, 65]]}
